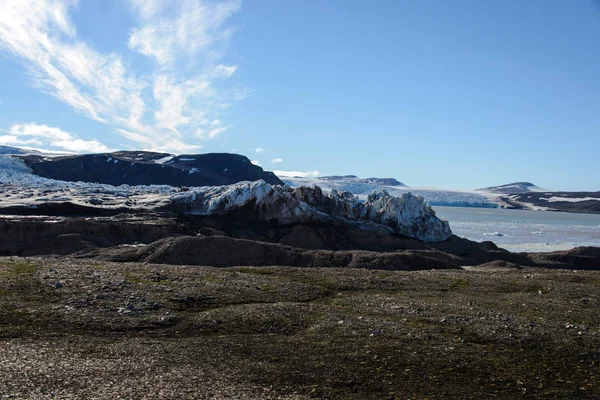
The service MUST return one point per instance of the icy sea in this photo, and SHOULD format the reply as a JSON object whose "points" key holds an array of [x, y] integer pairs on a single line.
{"points": [[521, 230]]}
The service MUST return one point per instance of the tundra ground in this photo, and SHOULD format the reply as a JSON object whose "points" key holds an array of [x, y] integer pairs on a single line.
{"points": [[89, 329]]}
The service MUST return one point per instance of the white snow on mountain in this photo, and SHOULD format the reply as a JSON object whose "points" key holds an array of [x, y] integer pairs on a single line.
{"points": [[163, 160], [20, 187], [435, 197], [555, 199]]}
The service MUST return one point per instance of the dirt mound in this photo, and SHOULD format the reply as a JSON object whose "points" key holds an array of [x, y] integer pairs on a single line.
{"points": [[24, 236], [223, 251], [577, 258], [496, 266]]}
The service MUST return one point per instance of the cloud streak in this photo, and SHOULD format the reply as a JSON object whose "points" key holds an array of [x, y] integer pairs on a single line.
{"points": [[162, 109], [291, 174]]}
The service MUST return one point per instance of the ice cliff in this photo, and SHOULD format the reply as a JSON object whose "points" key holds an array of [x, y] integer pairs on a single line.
{"points": [[406, 215]]}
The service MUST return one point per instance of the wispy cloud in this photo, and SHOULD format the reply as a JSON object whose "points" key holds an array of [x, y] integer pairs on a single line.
{"points": [[291, 174], [161, 109], [49, 137], [195, 27], [277, 160], [259, 150], [255, 162], [211, 131]]}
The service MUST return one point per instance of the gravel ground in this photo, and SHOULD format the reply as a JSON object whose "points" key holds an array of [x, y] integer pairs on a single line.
{"points": [[97, 330]]}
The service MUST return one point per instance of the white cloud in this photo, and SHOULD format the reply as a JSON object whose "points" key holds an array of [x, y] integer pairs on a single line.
{"points": [[147, 8], [191, 26], [163, 107], [16, 141], [177, 147], [172, 100], [223, 71], [80, 146], [205, 134], [277, 160], [255, 162], [259, 150], [306, 174], [33, 129], [50, 137]]}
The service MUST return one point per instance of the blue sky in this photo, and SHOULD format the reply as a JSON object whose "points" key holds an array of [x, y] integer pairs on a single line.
{"points": [[451, 94]]}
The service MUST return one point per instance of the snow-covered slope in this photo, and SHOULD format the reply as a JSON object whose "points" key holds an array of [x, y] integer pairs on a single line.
{"points": [[20, 187], [11, 150], [435, 197]]}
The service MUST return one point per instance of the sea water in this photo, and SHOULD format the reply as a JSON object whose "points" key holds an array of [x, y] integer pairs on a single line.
{"points": [[523, 230]]}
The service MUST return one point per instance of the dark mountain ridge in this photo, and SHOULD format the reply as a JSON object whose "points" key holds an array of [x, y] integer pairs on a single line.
{"points": [[577, 202], [150, 168]]}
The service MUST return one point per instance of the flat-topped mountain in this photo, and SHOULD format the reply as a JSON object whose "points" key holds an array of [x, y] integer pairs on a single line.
{"points": [[150, 168], [515, 187], [356, 179]]}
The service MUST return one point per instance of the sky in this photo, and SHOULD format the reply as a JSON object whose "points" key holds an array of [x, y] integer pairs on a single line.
{"points": [[450, 94]]}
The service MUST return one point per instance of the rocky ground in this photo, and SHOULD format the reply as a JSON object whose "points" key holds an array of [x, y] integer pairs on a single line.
{"points": [[93, 329]]}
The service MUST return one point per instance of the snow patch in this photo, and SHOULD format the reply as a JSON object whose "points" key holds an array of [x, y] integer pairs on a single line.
{"points": [[555, 199], [163, 160]]}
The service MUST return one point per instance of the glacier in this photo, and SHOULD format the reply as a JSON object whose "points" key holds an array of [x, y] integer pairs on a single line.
{"points": [[406, 215]]}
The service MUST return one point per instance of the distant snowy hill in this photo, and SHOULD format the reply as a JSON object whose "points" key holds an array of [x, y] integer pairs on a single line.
{"points": [[363, 187], [513, 188], [356, 179], [12, 150]]}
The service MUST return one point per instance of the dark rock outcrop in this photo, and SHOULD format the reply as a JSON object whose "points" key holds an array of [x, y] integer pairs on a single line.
{"points": [[149, 168], [25, 236]]}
